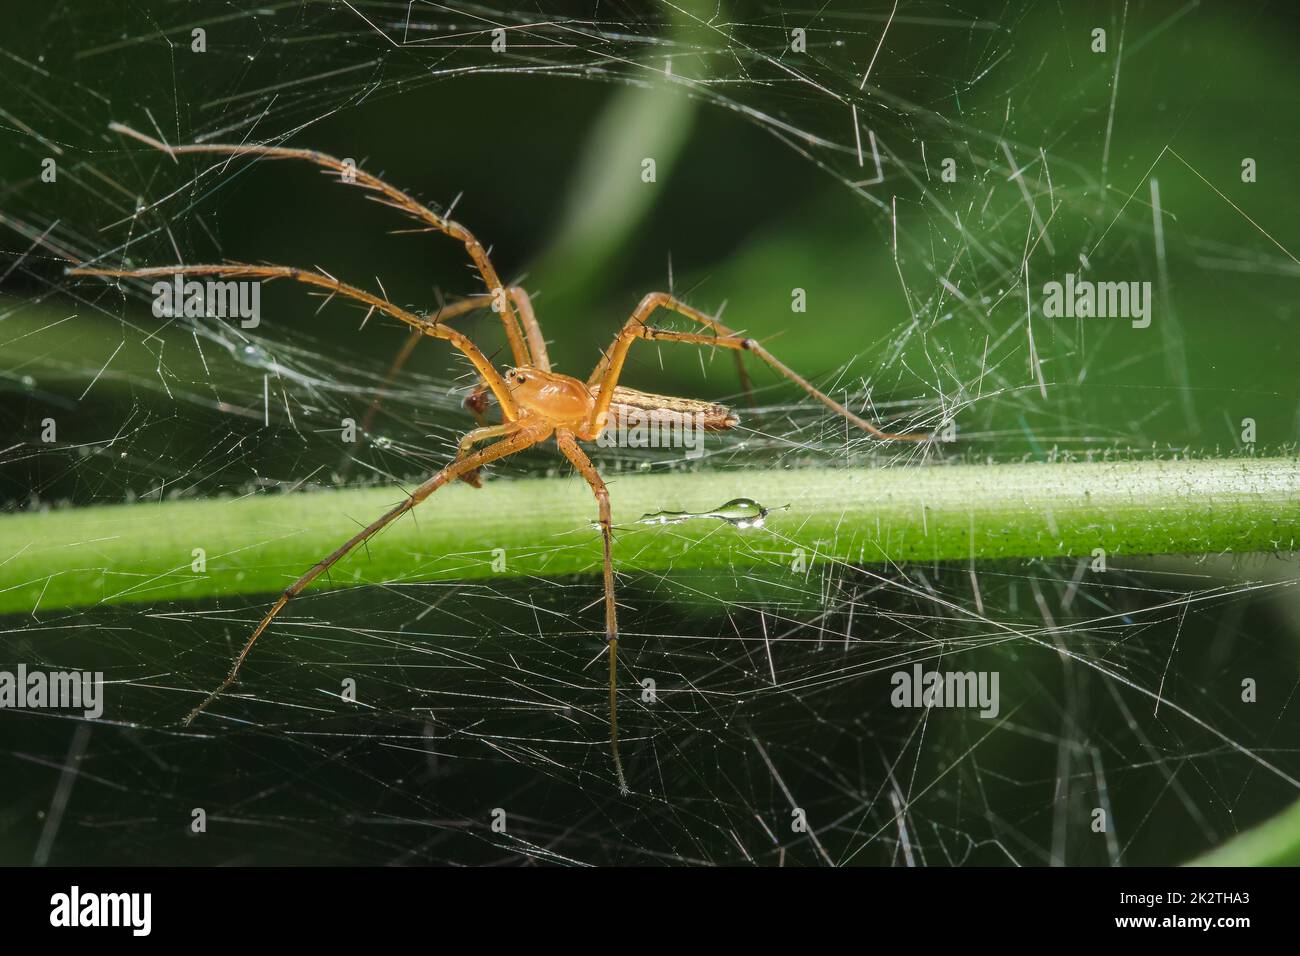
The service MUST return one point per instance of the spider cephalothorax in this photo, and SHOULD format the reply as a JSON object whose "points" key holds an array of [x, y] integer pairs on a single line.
{"points": [[535, 402], [562, 400]]}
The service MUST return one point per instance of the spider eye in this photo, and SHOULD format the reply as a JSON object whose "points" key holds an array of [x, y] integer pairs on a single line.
{"points": [[520, 377]]}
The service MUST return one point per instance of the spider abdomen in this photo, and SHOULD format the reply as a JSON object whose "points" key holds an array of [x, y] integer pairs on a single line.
{"points": [[630, 404]]}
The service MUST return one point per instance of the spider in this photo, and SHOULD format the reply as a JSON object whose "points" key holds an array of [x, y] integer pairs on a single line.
{"points": [[536, 403]]}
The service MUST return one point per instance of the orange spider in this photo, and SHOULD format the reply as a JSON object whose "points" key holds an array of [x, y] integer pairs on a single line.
{"points": [[536, 403]]}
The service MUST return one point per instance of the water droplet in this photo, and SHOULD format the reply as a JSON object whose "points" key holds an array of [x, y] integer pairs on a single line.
{"points": [[742, 512], [383, 441], [254, 355], [738, 512], [28, 381]]}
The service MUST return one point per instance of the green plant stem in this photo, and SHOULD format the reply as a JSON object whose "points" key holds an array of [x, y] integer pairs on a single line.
{"points": [[1275, 842], [145, 552]]}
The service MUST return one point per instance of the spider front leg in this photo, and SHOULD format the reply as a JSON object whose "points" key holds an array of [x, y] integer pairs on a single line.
{"points": [[610, 366], [444, 314], [491, 377], [521, 436], [477, 400], [448, 312], [387, 195], [575, 454]]}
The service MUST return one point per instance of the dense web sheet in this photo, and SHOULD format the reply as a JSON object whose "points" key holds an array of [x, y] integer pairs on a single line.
{"points": [[769, 737]]}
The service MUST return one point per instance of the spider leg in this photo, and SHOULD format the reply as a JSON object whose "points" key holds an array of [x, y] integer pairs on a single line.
{"points": [[444, 314], [537, 344], [611, 366], [388, 195], [664, 300], [524, 436], [475, 402], [575, 454], [472, 438], [425, 326]]}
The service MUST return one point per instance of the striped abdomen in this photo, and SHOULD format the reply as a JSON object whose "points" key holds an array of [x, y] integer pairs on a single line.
{"points": [[711, 416]]}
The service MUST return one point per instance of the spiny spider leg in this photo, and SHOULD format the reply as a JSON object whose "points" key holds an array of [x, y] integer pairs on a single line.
{"points": [[578, 457], [433, 329], [536, 343], [524, 437], [392, 196], [611, 366], [695, 315], [444, 314]]}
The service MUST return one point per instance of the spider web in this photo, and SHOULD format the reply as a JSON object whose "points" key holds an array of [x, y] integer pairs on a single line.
{"points": [[1120, 691]]}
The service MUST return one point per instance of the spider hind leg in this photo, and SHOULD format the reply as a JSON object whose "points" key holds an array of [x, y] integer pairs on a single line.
{"points": [[572, 451]]}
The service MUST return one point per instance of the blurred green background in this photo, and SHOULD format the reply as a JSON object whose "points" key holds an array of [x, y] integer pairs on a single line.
{"points": [[915, 289]]}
